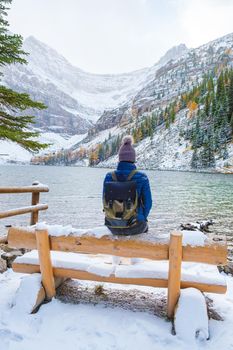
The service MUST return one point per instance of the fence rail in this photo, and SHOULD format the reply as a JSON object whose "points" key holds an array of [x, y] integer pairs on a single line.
{"points": [[24, 189], [35, 189]]}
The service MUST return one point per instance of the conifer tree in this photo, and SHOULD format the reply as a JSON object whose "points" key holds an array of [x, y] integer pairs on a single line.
{"points": [[15, 123], [230, 96]]}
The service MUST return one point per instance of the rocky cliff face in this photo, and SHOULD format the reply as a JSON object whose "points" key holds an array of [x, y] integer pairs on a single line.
{"points": [[174, 53], [63, 113]]}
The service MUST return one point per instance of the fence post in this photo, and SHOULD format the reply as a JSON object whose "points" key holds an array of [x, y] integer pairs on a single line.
{"points": [[46, 269], [35, 200], [174, 273]]}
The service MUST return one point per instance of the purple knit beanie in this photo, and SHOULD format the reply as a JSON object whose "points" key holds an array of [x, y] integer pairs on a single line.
{"points": [[126, 151]]}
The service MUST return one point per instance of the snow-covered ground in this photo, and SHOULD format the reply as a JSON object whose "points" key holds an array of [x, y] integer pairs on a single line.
{"points": [[67, 326], [12, 152], [59, 325]]}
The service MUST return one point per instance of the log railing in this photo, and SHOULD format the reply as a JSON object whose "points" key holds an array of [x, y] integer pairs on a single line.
{"points": [[34, 208]]}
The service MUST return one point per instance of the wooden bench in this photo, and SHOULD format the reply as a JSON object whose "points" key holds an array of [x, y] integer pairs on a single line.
{"points": [[52, 260]]}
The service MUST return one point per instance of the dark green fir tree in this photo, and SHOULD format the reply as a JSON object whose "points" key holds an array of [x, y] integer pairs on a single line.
{"points": [[15, 121]]}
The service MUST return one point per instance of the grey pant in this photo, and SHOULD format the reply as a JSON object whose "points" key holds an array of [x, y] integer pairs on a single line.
{"points": [[140, 227]]}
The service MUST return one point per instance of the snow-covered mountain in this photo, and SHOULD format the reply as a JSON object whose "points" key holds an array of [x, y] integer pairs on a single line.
{"points": [[75, 99], [171, 79], [167, 149]]}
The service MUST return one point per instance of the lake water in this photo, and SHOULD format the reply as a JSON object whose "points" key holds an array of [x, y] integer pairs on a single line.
{"points": [[75, 197]]}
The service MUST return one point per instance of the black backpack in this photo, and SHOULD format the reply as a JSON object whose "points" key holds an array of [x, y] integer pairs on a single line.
{"points": [[120, 202]]}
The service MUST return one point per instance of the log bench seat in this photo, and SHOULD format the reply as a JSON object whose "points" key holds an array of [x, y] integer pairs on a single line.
{"points": [[58, 255]]}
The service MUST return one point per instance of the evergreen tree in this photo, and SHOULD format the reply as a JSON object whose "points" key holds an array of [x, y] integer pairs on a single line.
{"points": [[172, 114], [101, 153], [210, 85], [230, 96], [220, 88], [194, 160], [153, 121], [15, 124]]}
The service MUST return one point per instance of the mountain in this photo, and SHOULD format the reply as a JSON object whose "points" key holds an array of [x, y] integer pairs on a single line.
{"points": [[180, 75], [75, 99], [177, 110], [171, 79], [181, 118]]}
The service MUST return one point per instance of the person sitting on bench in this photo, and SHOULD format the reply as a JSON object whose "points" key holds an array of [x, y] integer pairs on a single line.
{"points": [[126, 194]]}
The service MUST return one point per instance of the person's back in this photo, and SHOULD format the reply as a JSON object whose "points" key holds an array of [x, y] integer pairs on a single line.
{"points": [[126, 195]]}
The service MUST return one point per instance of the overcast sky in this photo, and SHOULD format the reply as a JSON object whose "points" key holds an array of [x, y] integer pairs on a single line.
{"points": [[114, 36]]}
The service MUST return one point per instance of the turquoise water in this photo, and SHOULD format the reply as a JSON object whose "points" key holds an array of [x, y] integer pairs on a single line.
{"points": [[75, 197]]}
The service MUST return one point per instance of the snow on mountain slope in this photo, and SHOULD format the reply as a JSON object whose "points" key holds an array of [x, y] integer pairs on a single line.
{"points": [[58, 141], [174, 53], [166, 150], [94, 91]]}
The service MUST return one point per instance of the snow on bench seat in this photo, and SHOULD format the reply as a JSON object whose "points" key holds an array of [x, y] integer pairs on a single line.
{"points": [[193, 238], [192, 272], [72, 261], [101, 266]]}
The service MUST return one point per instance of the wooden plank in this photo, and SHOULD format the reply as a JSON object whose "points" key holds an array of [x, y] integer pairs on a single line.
{"points": [[23, 210], [35, 201], [41, 296], [111, 246], [24, 189], [39, 300], [87, 276], [18, 237], [205, 287], [21, 238], [174, 272], [46, 269], [215, 253]]}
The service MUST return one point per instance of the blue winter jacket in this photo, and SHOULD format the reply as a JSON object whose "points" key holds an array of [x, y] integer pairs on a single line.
{"points": [[143, 187]]}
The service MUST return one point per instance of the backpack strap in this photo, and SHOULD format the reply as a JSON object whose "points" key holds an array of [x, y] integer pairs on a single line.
{"points": [[131, 174], [114, 177]]}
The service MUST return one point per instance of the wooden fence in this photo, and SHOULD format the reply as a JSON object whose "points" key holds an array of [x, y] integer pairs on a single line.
{"points": [[34, 208]]}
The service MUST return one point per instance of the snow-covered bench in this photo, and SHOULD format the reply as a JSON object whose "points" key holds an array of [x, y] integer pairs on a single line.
{"points": [[86, 255]]}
